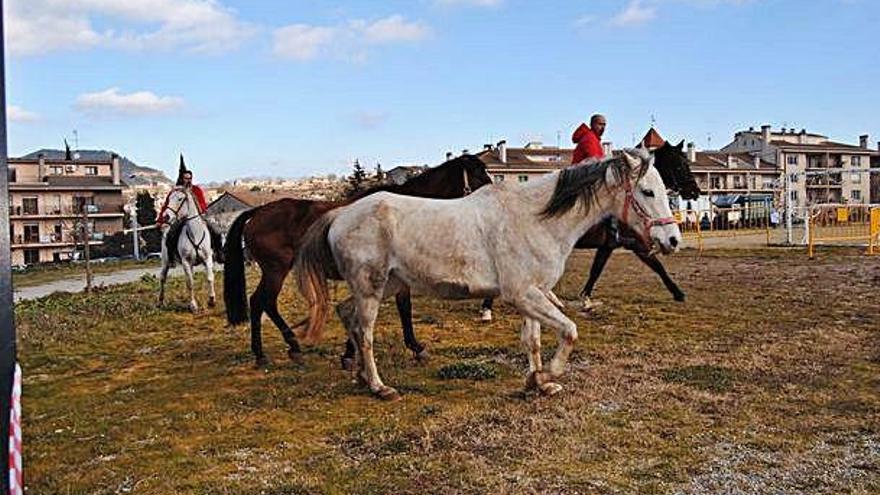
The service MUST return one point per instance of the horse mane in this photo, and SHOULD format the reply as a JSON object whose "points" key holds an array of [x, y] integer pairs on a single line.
{"points": [[464, 163], [578, 184]]}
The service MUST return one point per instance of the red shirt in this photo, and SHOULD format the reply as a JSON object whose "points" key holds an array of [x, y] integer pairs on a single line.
{"points": [[197, 193], [588, 144]]}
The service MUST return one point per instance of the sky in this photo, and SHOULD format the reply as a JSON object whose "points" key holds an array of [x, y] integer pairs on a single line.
{"points": [[297, 88]]}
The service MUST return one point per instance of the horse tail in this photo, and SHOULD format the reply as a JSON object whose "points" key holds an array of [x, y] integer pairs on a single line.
{"points": [[314, 264], [234, 290]]}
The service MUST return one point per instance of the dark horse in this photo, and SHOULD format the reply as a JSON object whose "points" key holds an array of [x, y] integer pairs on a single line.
{"points": [[675, 170], [273, 232]]}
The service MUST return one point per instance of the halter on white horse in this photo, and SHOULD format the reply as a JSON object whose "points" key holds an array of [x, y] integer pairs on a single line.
{"points": [[193, 245], [506, 240]]}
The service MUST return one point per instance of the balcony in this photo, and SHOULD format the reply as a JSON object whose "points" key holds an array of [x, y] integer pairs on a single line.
{"points": [[65, 211], [54, 239], [825, 181]]}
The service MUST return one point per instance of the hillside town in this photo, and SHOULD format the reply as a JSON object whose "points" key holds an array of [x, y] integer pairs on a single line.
{"points": [[54, 193]]}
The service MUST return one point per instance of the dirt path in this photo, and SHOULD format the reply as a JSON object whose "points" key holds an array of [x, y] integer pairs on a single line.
{"points": [[77, 284]]}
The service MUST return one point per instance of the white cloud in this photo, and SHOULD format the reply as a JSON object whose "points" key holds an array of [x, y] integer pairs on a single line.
{"points": [[634, 14], [475, 3], [111, 102], [370, 120], [348, 40], [17, 114], [392, 29], [301, 41], [41, 26]]}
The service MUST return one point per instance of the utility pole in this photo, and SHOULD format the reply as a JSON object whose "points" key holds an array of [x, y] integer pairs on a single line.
{"points": [[134, 231], [86, 236]]}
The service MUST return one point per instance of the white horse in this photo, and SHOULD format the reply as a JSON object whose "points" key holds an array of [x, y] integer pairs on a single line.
{"points": [[193, 245], [506, 240]]}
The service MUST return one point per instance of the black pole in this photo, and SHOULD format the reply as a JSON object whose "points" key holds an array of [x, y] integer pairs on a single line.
{"points": [[7, 316]]}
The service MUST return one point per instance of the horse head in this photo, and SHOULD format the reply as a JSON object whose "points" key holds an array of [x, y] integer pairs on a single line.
{"points": [[646, 207], [181, 204], [675, 170], [473, 172]]}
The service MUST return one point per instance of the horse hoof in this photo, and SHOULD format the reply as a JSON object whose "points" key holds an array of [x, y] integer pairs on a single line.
{"points": [[388, 394], [589, 305], [347, 364], [262, 363], [678, 297], [422, 356], [486, 315], [294, 356], [550, 388], [536, 380], [211, 302]]}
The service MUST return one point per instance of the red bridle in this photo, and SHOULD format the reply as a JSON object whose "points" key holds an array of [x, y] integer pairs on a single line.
{"points": [[631, 203]]}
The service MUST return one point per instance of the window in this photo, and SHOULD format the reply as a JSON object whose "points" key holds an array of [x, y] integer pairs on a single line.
{"points": [[91, 170], [31, 256], [56, 170], [792, 159], [31, 233], [855, 177], [523, 178], [855, 161], [57, 234], [79, 202], [29, 206], [716, 183], [11, 175], [794, 196], [737, 182], [498, 179], [793, 178], [856, 195]]}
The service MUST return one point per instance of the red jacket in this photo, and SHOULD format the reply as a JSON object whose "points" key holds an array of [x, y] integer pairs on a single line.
{"points": [[588, 144], [198, 195]]}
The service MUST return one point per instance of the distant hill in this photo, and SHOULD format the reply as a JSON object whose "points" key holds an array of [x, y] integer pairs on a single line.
{"points": [[132, 173]]}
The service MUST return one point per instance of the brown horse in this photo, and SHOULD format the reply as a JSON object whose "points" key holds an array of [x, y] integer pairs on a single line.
{"points": [[273, 233]]}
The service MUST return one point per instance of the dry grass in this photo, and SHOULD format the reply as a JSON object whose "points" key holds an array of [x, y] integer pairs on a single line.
{"points": [[765, 381]]}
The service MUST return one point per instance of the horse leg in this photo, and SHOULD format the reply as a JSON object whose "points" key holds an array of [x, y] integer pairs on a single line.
{"points": [[163, 277], [256, 314], [366, 310], [660, 270], [209, 274], [531, 340], [188, 270], [599, 261], [272, 282], [345, 311], [404, 310], [535, 305], [486, 310]]}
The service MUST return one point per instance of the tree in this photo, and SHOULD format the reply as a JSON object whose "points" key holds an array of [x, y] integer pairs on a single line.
{"points": [[146, 208], [380, 175], [357, 178]]}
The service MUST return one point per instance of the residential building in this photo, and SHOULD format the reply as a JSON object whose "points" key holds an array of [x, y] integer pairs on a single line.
{"points": [[47, 198], [819, 170], [727, 179], [504, 163]]}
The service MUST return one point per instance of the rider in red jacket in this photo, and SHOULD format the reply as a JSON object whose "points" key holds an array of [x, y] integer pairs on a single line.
{"points": [[589, 140], [184, 179]]}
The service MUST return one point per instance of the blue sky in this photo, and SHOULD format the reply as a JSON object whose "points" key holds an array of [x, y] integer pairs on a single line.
{"points": [[294, 88]]}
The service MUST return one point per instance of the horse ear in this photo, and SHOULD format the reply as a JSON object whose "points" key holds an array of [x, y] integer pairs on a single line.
{"points": [[680, 145]]}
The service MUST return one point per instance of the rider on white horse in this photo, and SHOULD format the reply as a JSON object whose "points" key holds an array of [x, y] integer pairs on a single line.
{"points": [[186, 235]]}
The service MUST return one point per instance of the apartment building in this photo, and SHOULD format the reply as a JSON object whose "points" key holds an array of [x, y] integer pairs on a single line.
{"points": [[47, 198]]}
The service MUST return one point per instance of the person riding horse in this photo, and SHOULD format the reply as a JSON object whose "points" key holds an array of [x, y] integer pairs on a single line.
{"points": [[184, 180]]}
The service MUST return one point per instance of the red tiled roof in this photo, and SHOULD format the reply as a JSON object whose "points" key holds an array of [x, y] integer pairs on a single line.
{"points": [[653, 139], [827, 145], [549, 158]]}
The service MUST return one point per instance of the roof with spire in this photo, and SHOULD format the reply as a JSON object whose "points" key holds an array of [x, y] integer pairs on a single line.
{"points": [[653, 139]]}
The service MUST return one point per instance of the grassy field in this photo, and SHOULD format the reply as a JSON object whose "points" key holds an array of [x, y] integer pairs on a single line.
{"points": [[44, 274], [765, 381]]}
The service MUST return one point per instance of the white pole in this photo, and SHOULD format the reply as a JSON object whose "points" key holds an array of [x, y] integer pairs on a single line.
{"points": [[134, 231], [788, 208]]}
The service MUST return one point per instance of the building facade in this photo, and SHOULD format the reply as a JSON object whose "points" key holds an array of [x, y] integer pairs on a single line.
{"points": [[504, 163], [47, 199], [819, 170]]}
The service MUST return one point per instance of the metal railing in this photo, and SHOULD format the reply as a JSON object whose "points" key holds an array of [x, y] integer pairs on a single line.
{"points": [[842, 224]]}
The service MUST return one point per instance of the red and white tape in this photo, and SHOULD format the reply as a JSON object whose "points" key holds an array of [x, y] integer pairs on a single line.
{"points": [[16, 486]]}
